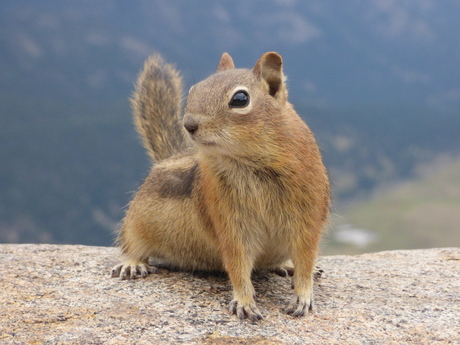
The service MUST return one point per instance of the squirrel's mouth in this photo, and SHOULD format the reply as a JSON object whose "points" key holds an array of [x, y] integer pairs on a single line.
{"points": [[199, 141], [206, 143]]}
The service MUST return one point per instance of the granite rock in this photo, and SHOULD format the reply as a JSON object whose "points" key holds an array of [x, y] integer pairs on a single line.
{"points": [[63, 294]]}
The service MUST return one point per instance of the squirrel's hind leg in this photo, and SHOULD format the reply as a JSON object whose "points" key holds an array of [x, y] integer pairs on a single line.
{"points": [[286, 269]]}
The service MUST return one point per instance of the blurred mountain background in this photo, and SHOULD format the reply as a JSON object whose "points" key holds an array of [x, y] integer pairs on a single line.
{"points": [[378, 81]]}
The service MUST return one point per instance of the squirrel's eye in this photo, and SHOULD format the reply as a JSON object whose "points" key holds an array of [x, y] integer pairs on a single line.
{"points": [[239, 100]]}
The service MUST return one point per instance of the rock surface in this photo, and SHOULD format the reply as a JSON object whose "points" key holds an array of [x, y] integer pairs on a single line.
{"points": [[62, 294]]}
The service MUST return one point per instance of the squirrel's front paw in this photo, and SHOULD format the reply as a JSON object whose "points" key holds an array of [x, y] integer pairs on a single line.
{"points": [[300, 305], [132, 270], [243, 310]]}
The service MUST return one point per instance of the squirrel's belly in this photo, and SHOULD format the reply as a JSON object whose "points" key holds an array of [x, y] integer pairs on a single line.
{"points": [[193, 250], [274, 252]]}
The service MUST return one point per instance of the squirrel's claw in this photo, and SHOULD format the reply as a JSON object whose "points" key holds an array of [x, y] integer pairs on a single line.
{"points": [[116, 271], [243, 311], [132, 270], [299, 306]]}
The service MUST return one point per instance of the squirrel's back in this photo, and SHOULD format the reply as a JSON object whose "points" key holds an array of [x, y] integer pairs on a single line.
{"points": [[157, 109]]}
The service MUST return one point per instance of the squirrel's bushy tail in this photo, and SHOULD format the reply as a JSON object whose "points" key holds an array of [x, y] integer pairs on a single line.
{"points": [[157, 109]]}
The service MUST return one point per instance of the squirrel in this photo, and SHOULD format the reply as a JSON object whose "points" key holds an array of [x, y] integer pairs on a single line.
{"points": [[238, 183]]}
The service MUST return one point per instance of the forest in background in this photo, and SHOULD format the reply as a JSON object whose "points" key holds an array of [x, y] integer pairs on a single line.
{"points": [[377, 82]]}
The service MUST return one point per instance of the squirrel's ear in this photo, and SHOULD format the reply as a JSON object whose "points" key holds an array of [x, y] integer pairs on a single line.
{"points": [[269, 68], [226, 62]]}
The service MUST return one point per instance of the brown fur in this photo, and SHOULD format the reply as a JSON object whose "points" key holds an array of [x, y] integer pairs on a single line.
{"points": [[250, 193], [156, 103]]}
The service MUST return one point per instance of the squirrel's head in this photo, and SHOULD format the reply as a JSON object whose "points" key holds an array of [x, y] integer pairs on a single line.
{"points": [[234, 110]]}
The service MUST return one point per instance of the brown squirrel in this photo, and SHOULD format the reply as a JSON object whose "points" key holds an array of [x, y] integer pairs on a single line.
{"points": [[243, 187]]}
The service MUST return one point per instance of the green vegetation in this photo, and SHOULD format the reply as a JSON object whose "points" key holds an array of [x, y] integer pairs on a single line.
{"points": [[380, 101], [421, 213]]}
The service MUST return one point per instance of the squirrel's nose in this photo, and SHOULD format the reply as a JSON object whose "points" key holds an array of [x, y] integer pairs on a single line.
{"points": [[190, 125]]}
